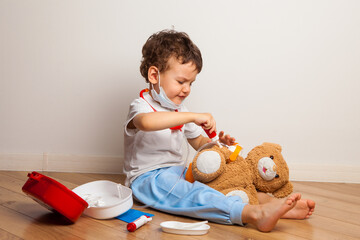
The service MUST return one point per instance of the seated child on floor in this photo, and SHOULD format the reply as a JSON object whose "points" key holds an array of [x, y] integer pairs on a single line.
{"points": [[154, 131]]}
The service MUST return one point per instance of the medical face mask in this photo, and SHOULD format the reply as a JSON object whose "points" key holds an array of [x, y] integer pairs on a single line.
{"points": [[163, 99]]}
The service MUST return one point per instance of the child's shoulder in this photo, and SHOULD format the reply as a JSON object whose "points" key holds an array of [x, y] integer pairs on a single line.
{"points": [[139, 105], [137, 101]]}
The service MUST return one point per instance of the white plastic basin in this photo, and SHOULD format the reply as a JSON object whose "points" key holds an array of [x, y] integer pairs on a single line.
{"points": [[106, 199]]}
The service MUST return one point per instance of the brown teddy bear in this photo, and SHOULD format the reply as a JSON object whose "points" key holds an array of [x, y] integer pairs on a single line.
{"points": [[223, 169]]}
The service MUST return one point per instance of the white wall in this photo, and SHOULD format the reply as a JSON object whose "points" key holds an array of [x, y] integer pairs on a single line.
{"points": [[278, 71]]}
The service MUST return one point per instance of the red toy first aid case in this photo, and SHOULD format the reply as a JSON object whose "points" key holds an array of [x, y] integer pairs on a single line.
{"points": [[54, 196]]}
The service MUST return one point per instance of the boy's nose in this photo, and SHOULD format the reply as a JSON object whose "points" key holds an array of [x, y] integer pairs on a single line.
{"points": [[186, 88]]}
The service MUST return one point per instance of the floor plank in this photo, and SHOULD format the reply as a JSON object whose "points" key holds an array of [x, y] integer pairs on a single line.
{"points": [[6, 235]]}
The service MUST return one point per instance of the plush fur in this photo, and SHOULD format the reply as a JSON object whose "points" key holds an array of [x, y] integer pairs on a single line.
{"points": [[243, 177]]}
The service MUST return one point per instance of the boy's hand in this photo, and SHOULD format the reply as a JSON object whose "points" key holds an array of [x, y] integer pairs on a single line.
{"points": [[206, 121], [227, 139]]}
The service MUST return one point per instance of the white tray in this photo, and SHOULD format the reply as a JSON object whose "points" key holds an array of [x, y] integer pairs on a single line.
{"points": [[199, 228]]}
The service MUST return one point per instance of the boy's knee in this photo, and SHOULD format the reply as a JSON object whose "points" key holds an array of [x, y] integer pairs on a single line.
{"points": [[169, 176]]}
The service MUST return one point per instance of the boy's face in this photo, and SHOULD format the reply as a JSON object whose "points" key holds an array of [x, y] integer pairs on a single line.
{"points": [[177, 79]]}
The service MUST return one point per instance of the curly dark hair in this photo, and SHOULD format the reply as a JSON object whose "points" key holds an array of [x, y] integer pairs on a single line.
{"points": [[166, 44]]}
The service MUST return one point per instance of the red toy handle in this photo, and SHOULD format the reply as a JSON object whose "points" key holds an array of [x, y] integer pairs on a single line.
{"points": [[35, 176], [210, 135]]}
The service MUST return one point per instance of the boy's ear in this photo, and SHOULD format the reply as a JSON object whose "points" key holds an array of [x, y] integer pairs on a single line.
{"points": [[153, 75]]}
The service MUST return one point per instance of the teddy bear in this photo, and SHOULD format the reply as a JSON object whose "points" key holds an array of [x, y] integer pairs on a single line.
{"points": [[222, 168]]}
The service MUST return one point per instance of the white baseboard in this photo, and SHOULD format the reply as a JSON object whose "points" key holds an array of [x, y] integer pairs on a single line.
{"points": [[106, 164], [61, 163], [324, 173]]}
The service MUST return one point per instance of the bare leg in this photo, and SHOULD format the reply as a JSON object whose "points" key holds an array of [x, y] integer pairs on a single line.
{"points": [[303, 209], [264, 197], [265, 216]]}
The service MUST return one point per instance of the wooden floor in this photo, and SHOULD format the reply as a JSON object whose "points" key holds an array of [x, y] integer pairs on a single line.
{"points": [[337, 215]]}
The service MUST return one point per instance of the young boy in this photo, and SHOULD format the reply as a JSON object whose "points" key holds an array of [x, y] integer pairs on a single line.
{"points": [[154, 132]]}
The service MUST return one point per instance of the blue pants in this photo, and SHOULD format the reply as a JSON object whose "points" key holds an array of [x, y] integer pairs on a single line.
{"points": [[195, 200]]}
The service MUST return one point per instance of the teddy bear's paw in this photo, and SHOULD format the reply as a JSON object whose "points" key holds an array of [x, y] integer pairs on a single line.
{"points": [[208, 162], [241, 194]]}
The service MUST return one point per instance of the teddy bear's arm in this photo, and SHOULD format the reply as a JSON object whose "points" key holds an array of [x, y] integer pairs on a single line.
{"points": [[284, 191]]}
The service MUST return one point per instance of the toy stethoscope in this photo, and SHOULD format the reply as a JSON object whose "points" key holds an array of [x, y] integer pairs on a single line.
{"points": [[142, 96], [212, 136]]}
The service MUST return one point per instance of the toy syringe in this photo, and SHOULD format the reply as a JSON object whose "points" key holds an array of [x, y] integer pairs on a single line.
{"points": [[213, 136]]}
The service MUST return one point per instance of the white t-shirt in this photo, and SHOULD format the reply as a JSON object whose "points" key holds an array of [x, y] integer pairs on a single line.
{"points": [[146, 151]]}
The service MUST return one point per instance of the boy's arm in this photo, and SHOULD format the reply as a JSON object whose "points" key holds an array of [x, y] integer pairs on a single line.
{"points": [[161, 120], [197, 142]]}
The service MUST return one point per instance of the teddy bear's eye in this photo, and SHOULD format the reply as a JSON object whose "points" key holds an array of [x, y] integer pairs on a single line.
{"points": [[272, 157]]}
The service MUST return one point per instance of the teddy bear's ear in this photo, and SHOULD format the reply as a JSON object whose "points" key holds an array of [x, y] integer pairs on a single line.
{"points": [[273, 145]]}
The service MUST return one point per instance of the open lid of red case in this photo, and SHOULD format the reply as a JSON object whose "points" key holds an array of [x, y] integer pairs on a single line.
{"points": [[54, 196]]}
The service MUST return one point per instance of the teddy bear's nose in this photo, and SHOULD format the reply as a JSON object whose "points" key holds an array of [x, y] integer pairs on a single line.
{"points": [[277, 176]]}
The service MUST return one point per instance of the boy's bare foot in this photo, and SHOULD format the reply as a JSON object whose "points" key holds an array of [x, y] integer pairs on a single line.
{"points": [[303, 210], [265, 216]]}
